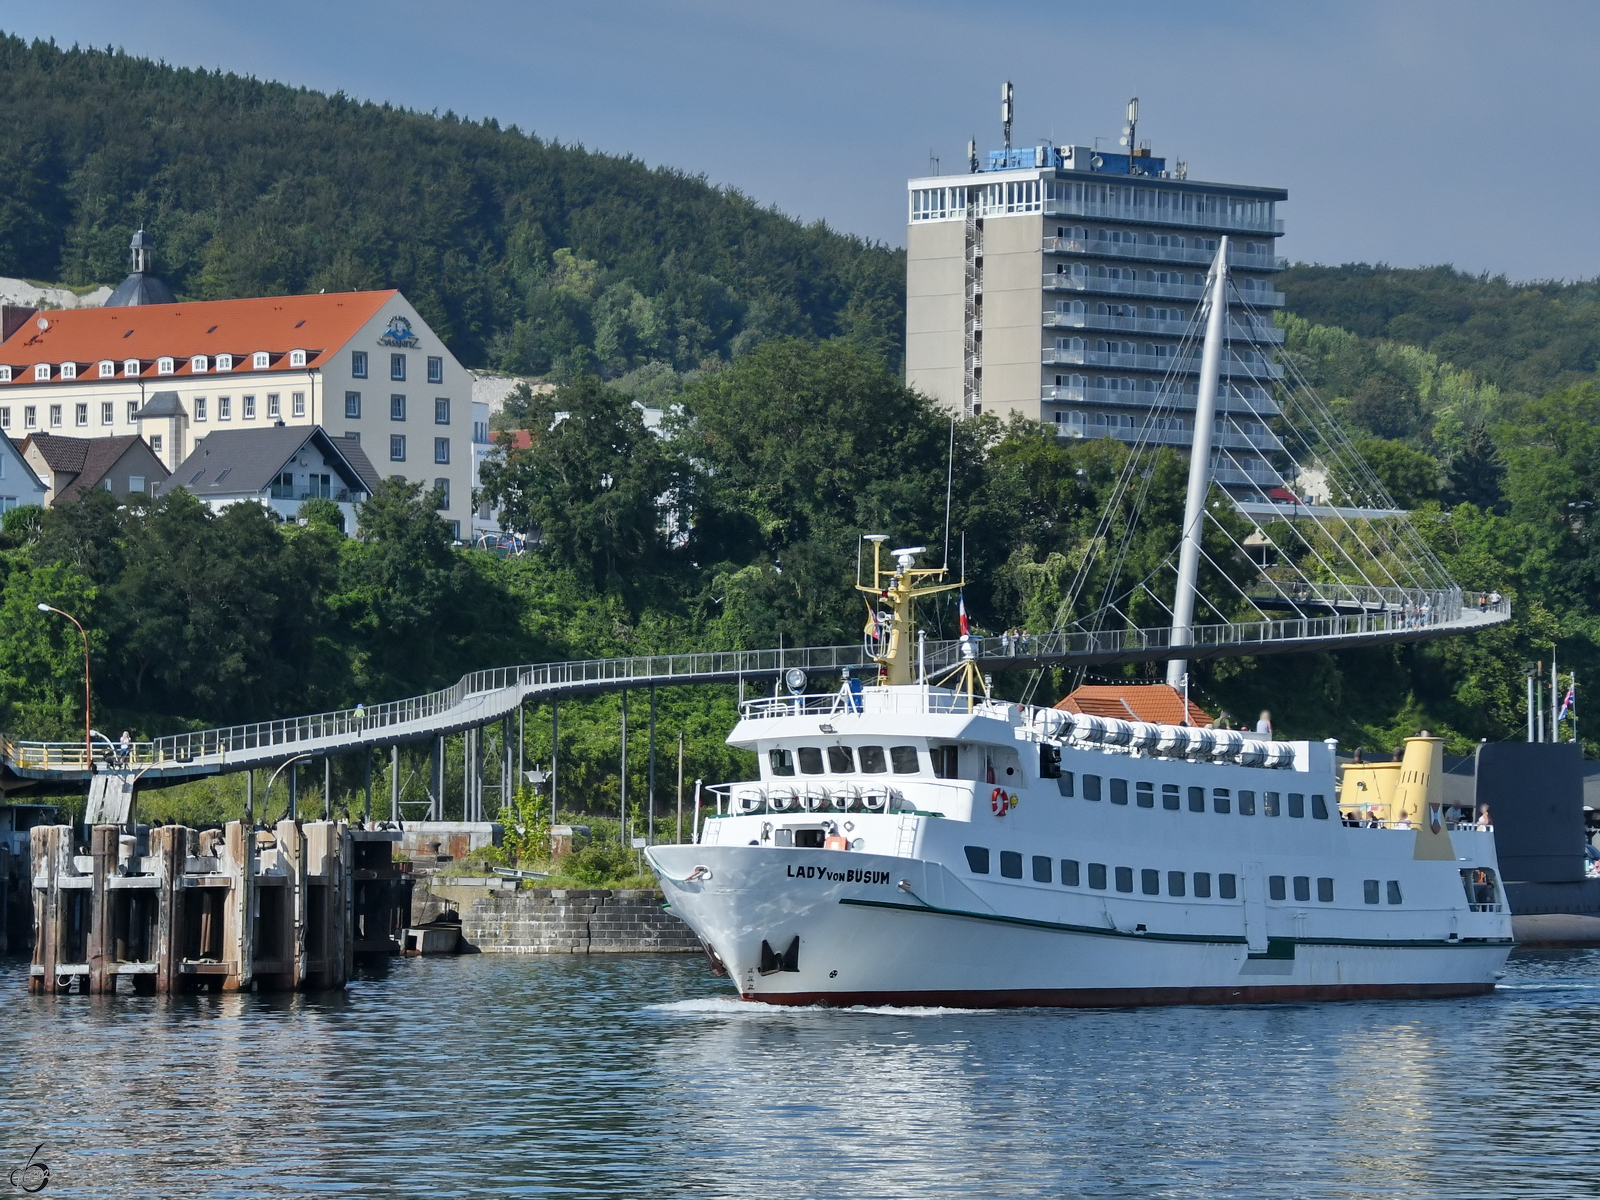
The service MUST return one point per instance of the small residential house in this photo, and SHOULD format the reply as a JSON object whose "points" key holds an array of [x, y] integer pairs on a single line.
{"points": [[19, 485], [67, 466], [279, 468]]}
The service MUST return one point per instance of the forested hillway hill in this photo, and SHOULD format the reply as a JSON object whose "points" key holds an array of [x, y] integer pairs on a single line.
{"points": [[523, 253]]}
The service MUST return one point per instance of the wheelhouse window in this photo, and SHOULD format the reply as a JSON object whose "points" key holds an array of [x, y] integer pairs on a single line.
{"points": [[841, 761], [903, 759], [781, 761], [810, 760], [872, 760]]}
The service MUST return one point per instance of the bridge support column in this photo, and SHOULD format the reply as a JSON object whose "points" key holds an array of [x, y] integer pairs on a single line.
{"points": [[394, 783], [555, 753], [366, 804]]}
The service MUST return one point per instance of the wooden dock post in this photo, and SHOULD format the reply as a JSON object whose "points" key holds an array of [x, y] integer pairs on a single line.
{"points": [[103, 846], [169, 847], [237, 855]]}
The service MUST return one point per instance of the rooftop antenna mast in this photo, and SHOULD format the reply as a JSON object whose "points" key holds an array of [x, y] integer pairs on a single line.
{"points": [[972, 155], [1005, 112], [1130, 132]]}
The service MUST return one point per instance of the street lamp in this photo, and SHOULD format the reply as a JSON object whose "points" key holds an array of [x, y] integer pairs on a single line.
{"points": [[88, 748]]}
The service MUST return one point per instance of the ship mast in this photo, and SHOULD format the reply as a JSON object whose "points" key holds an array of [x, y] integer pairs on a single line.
{"points": [[891, 622], [1194, 505]]}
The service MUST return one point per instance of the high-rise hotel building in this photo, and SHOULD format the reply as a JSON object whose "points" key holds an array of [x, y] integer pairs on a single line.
{"points": [[1058, 282]]}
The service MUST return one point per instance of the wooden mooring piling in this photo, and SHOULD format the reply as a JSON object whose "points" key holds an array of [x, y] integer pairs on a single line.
{"points": [[173, 909]]}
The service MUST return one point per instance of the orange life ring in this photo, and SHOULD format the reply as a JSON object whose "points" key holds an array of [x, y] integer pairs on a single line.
{"points": [[999, 802]]}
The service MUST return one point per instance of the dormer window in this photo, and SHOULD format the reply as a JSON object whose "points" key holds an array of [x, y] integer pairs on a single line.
{"points": [[69, 370], [199, 364], [41, 372], [224, 362], [108, 369], [297, 358], [260, 360], [164, 366], [5, 374], [130, 368]]}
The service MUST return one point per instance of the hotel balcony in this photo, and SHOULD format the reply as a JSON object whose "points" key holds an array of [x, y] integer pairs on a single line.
{"points": [[1228, 401], [1231, 439], [1257, 332], [1140, 252], [1062, 282], [1189, 365], [1145, 216]]}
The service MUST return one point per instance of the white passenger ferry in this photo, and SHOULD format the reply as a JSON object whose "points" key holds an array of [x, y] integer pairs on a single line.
{"points": [[914, 844]]}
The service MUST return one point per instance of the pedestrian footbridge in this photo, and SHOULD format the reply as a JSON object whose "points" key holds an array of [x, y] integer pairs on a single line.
{"points": [[484, 697]]}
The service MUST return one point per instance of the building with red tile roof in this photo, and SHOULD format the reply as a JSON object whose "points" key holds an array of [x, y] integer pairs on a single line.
{"points": [[1156, 703], [361, 364]]}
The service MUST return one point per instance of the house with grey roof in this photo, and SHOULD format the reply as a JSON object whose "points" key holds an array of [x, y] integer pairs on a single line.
{"points": [[279, 468], [68, 466], [19, 484]]}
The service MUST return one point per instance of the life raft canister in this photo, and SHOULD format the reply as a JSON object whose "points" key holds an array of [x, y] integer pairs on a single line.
{"points": [[999, 802]]}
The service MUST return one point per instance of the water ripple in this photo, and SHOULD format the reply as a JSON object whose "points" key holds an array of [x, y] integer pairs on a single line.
{"points": [[634, 1076]]}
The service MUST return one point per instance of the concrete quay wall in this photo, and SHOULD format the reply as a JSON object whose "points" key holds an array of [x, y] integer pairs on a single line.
{"points": [[507, 920]]}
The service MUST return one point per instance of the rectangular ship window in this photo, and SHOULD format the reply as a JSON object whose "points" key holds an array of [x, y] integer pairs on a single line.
{"points": [[1302, 887], [977, 859], [1145, 794], [904, 759], [1011, 864], [1319, 808], [1064, 783], [1197, 799], [872, 760], [1174, 883], [782, 762], [1097, 876], [1277, 888], [1041, 868], [1269, 804], [1324, 890], [1369, 890], [1169, 797], [1297, 804], [1247, 803], [1228, 887], [1394, 891], [841, 761], [810, 760], [1202, 885], [1069, 872], [1091, 787], [1220, 800], [1150, 882], [1124, 879], [1119, 791]]}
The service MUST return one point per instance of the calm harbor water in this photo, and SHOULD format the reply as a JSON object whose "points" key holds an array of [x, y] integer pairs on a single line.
{"points": [[638, 1077]]}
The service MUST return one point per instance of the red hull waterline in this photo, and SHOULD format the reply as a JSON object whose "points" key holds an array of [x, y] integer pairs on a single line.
{"points": [[1124, 997]]}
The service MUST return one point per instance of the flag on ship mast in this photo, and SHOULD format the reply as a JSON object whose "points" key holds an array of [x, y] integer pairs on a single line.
{"points": [[962, 616], [1569, 704]]}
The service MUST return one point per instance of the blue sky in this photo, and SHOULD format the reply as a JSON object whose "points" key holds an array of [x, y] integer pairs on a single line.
{"points": [[1409, 132]]}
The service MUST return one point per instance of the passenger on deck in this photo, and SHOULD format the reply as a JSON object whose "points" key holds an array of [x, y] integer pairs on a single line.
{"points": [[1264, 725]]}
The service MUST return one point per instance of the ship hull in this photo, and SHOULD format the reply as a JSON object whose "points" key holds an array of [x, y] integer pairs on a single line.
{"points": [[842, 928]]}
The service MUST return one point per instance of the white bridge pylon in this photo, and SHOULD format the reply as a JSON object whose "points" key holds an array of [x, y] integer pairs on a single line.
{"points": [[485, 697]]}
